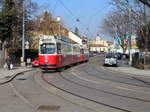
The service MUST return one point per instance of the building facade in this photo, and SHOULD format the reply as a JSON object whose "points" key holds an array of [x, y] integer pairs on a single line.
{"points": [[100, 45], [131, 47]]}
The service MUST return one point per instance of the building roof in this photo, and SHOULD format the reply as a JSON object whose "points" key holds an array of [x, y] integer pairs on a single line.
{"points": [[97, 45], [110, 43]]}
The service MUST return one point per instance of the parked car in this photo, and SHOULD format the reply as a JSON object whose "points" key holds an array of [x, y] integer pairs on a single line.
{"points": [[92, 54], [125, 56], [35, 63], [118, 55], [110, 59]]}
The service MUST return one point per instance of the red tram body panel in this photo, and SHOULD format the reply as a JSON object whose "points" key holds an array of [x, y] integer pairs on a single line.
{"points": [[49, 61], [84, 56], [58, 52]]}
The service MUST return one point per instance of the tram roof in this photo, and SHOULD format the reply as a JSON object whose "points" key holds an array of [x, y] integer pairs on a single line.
{"points": [[61, 38]]}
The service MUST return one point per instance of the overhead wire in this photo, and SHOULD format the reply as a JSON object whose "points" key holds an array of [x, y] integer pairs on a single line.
{"points": [[72, 14], [96, 13], [100, 10], [77, 19], [55, 6]]}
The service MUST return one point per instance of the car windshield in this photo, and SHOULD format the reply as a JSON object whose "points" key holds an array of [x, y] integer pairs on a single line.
{"points": [[47, 48], [110, 55]]}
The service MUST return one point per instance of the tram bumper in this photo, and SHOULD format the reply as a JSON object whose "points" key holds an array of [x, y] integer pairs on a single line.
{"points": [[48, 66]]}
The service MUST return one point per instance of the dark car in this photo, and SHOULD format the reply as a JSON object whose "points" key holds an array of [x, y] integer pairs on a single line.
{"points": [[92, 54], [125, 56], [118, 55]]}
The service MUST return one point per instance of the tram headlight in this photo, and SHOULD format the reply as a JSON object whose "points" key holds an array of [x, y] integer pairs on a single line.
{"points": [[46, 59]]}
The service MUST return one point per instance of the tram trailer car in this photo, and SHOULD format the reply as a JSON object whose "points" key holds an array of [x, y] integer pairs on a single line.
{"points": [[57, 52], [84, 56]]}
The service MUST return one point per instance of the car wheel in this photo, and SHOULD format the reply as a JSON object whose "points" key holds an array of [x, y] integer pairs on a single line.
{"points": [[115, 65]]}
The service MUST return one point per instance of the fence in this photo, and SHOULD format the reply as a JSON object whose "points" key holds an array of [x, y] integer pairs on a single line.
{"points": [[140, 60]]}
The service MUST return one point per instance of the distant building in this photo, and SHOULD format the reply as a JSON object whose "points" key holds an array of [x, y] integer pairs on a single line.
{"points": [[98, 48], [100, 45], [132, 49], [75, 37]]}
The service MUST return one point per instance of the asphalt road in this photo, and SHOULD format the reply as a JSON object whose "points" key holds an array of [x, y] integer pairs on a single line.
{"points": [[87, 87]]}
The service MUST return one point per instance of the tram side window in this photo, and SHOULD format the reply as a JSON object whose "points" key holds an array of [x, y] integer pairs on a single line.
{"points": [[69, 49], [48, 48], [76, 50], [86, 51], [82, 51], [59, 48], [64, 48]]}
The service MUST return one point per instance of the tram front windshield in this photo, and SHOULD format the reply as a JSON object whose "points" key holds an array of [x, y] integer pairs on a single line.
{"points": [[47, 48]]}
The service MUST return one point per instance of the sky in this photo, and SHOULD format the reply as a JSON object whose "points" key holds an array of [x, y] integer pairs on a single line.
{"points": [[90, 14]]}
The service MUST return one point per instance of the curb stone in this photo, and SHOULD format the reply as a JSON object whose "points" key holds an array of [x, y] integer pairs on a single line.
{"points": [[107, 68], [7, 79]]}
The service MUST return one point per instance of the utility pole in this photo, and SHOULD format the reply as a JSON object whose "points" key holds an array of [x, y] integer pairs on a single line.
{"points": [[23, 36], [115, 38], [129, 36], [146, 41]]}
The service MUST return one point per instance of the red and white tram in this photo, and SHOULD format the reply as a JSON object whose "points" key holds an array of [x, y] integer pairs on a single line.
{"points": [[57, 52], [84, 56]]}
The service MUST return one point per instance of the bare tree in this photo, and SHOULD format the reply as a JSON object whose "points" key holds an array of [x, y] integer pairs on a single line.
{"points": [[146, 2], [139, 19], [116, 25], [47, 25]]}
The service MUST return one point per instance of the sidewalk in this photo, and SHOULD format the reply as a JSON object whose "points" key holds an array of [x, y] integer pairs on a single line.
{"points": [[124, 68], [6, 75]]}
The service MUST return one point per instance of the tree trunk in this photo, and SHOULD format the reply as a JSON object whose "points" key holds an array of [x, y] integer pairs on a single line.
{"points": [[124, 50], [145, 58], [2, 58], [3, 54]]}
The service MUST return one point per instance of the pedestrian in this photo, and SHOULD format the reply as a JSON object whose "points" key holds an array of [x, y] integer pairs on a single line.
{"points": [[8, 62], [28, 61]]}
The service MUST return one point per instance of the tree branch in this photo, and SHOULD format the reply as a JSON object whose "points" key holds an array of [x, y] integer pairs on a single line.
{"points": [[146, 2]]}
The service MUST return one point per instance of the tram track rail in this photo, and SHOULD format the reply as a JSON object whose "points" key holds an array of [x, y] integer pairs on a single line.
{"points": [[107, 92], [80, 96], [117, 81], [124, 109], [30, 103]]}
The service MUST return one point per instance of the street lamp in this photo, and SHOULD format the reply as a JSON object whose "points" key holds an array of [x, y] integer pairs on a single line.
{"points": [[58, 19], [28, 59]]}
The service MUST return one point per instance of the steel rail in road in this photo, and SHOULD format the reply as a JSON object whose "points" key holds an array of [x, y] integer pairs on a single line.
{"points": [[100, 90], [74, 94], [100, 77]]}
